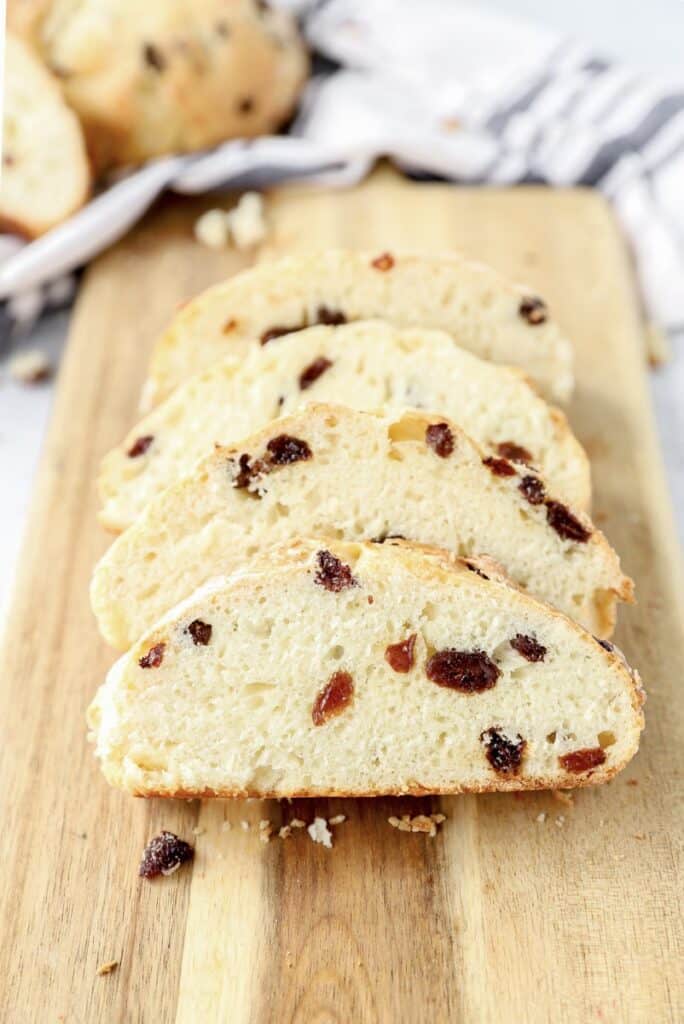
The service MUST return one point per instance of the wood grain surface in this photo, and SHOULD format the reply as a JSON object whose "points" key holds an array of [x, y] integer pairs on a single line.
{"points": [[576, 918]]}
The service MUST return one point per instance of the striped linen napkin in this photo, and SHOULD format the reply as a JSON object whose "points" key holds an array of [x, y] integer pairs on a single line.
{"points": [[441, 88]]}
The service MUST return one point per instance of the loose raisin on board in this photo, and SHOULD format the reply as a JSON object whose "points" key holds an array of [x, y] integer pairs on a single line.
{"points": [[532, 489], [499, 467], [163, 855], [330, 317], [504, 754], [153, 57], [584, 760], [476, 569], [528, 647], [465, 671], [154, 656], [533, 309], [383, 262], [200, 632], [333, 574], [284, 450], [440, 439], [400, 656], [511, 450], [140, 446], [565, 523], [335, 696], [313, 371]]}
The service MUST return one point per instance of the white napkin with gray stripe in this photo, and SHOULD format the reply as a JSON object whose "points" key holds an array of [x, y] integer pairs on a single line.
{"points": [[444, 89]]}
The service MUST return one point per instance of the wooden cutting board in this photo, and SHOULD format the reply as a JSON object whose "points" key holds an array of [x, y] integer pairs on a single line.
{"points": [[503, 916]]}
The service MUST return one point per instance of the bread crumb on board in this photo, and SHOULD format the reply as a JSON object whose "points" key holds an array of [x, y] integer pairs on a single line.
{"points": [[320, 833], [427, 823], [30, 367], [244, 226], [108, 967]]}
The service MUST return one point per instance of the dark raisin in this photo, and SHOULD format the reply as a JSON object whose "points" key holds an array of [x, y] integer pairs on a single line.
{"points": [[140, 446], [313, 371], [163, 855], [283, 450], [229, 325], [8, 160], [476, 569], [511, 450], [605, 644], [154, 657], [382, 537], [333, 574], [528, 647], [244, 474], [565, 523], [383, 262], [277, 332], [200, 632], [466, 671], [532, 489], [533, 310], [499, 467], [504, 754], [400, 656], [440, 439], [330, 317], [582, 760], [153, 56], [222, 29], [335, 696], [245, 105]]}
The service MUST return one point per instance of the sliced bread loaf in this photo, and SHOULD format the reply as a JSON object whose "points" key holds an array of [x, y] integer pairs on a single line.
{"points": [[330, 471], [361, 669], [482, 311], [365, 365], [45, 170]]}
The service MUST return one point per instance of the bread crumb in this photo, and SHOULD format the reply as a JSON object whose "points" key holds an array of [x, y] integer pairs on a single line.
{"points": [[108, 967], [198, 830], [320, 833], [297, 823], [560, 821], [226, 826], [31, 367], [211, 229], [246, 221], [244, 825], [632, 782], [562, 797], [338, 819], [284, 832], [541, 817], [639, 835], [265, 830], [420, 823]]}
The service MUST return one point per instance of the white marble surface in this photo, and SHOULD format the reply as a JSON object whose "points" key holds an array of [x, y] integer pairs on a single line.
{"points": [[648, 35]]}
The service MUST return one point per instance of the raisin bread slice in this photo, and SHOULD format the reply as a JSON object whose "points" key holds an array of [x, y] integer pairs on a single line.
{"points": [[330, 471], [45, 171], [361, 670], [484, 313], [365, 365]]}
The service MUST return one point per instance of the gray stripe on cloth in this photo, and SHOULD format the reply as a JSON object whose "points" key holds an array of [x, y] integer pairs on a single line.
{"points": [[610, 152]]}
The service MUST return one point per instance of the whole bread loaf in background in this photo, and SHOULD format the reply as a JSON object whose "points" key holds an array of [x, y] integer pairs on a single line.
{"points": [[45, 170], [167, 76]]}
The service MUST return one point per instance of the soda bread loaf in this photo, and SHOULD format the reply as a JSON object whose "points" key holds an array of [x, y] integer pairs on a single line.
{"points": [[484, 313], [45, 171], [365, 365], [169, 76], [361, 670], [330, 471]]}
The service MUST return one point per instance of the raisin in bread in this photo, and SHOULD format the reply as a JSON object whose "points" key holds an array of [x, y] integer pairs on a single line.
{"points": [[334, 472], [361, 669], [365, 365], [45, 171], [170, 76], [484, 313]]}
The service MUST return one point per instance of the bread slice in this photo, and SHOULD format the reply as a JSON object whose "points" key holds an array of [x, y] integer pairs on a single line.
{"points": [[365, 365], [330, 471], [45, 170], [361, 670], [484, 313]]}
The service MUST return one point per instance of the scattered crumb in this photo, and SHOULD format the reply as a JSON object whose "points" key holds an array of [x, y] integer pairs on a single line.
{"points": [[298, 823], [31, 367], [562, 797], [338, 819], [246, 221], [632, 782], [450, 124], [265, 830], [284, 832], [420, 823], [198, 830], [108, 967], [320, 833], [560, 820], [226, 826], [211, 229], [639, 835], [541, 817], [658, 348], [244, 825]]}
